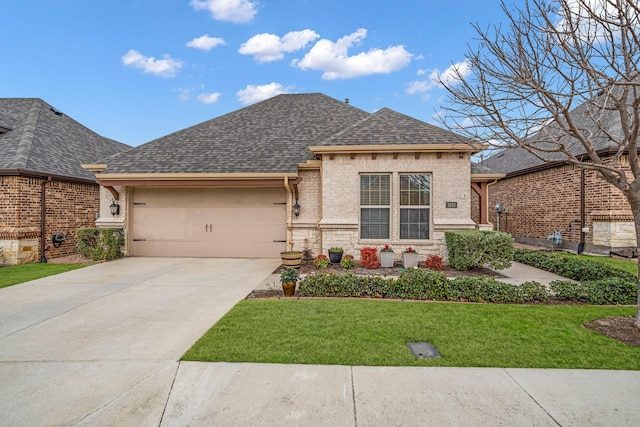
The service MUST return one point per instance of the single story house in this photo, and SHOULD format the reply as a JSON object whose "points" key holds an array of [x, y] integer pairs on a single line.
{"points": [[295, 170], [557, 204], [44, 191]]}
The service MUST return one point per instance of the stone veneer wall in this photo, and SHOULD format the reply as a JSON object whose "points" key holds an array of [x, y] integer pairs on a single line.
{"points": [[340, 188], [304, 228], [548, 200], [69, 206]]}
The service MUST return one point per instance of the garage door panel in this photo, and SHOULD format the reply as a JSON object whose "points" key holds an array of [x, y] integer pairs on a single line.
{"points": [[208, 222]]}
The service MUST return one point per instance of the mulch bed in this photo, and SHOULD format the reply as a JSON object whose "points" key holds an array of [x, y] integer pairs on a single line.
{"points": [[307, 267], [619, 328]]}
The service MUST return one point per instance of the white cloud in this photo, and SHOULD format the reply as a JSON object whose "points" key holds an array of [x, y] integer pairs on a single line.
{"points": [[448, 76], [205, 42], [165, 67], [237, 11], [333, 60], [184, 93], [252, 93], [267, 47], [209, 98], [421, 72]]}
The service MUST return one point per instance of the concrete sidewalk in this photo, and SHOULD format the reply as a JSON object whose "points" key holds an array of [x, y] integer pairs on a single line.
{"points": [[232, 394]]}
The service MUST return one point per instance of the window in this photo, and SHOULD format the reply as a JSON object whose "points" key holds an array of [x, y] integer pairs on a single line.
{"points": [[375, 206], [415, 197]]}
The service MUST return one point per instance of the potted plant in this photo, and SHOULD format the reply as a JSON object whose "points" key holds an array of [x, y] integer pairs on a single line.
{"points": [[335, 255], [410, 258], [289, 277], [387, 256], [291, 258]]}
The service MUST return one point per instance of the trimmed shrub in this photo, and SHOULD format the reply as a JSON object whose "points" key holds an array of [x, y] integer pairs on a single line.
{"points": [[469, 249], [598, 292], [100, 244], [369, 258], [417, 284], [434, 262], [571, 268]]}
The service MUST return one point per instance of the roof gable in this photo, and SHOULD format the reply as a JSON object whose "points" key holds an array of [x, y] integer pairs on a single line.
{"points": [[388, 127], [40, 139]]}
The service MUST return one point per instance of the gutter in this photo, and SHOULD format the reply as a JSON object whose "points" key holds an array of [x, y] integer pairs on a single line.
{"points": [[289, 218], [34, 174]]}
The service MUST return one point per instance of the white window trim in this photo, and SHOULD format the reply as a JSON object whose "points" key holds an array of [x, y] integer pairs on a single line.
{"points": [[394, 212]]}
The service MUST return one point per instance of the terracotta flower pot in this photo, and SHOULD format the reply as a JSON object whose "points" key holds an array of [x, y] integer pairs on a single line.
{"points": [[288, 288]]}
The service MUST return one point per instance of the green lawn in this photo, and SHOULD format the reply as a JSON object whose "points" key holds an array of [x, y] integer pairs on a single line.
{"points": [[375, 333], [25, 272], [623, 264]]}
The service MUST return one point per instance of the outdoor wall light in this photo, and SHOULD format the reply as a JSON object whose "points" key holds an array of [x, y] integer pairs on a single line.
{"points": [[114, 208], [296, 209]]}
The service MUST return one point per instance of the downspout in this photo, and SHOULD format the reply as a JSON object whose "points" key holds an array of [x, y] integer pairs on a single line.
{"points": [[488, 184], [289, 219], [43, 208], [582, 210]]}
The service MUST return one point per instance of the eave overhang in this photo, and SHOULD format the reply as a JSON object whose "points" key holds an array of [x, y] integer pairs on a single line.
{"points": [[405, 148], [36, 174], [486, 177], [196, 179]]}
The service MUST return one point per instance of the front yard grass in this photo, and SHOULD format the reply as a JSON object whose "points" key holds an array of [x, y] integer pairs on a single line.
{"points": [[24, 272], [376, 333]]}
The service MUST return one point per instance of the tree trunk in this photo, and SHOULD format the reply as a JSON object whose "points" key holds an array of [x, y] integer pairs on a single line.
{"points": [[636, 219]]}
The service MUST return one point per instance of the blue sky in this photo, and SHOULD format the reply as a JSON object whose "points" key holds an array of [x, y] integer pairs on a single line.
{"points": [[137, 70]]}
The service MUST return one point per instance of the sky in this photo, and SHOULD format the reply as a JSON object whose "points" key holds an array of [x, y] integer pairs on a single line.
{"points": [[137, 70]]}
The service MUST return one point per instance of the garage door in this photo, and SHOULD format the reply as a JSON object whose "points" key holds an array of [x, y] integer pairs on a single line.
{"points": [[228, 223]]}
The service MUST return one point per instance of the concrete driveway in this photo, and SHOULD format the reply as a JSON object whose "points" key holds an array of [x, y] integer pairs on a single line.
{"points": [[100, 345]]}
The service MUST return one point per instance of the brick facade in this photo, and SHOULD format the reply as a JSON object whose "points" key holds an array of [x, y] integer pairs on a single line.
{"points": [[541, 202], [69, 206]]}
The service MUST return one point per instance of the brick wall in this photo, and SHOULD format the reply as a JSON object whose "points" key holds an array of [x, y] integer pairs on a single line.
{"points": [[69, 206], [548, 200]]}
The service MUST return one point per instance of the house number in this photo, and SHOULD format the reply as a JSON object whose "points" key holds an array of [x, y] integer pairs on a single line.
{"points": [[452, 205]]}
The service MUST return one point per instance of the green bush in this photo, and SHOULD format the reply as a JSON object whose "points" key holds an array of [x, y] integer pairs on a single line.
{"points": [[571, 268], [100, 244], [419, 284], [469, 249], [598, 292]]}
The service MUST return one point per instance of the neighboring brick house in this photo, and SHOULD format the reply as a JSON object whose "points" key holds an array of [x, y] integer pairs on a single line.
{"points": [[41, 150], [540, 198], [229, 187]]}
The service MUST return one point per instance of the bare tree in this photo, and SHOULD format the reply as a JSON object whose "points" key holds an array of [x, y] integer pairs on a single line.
{"points": [[559, 79]]}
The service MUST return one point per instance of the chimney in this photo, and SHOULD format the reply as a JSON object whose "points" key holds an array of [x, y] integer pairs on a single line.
{"points": [[346, 100]]}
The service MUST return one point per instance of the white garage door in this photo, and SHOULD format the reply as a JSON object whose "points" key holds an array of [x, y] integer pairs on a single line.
{"points": [[228, 223]]}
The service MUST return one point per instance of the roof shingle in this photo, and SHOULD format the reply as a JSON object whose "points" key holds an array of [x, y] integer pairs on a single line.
{"points": [[40, 139]]}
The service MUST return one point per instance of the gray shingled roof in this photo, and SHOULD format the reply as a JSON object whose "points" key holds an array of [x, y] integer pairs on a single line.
{"points": [[388, 127], [271, 136], [516, 159], [42, 140]]}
